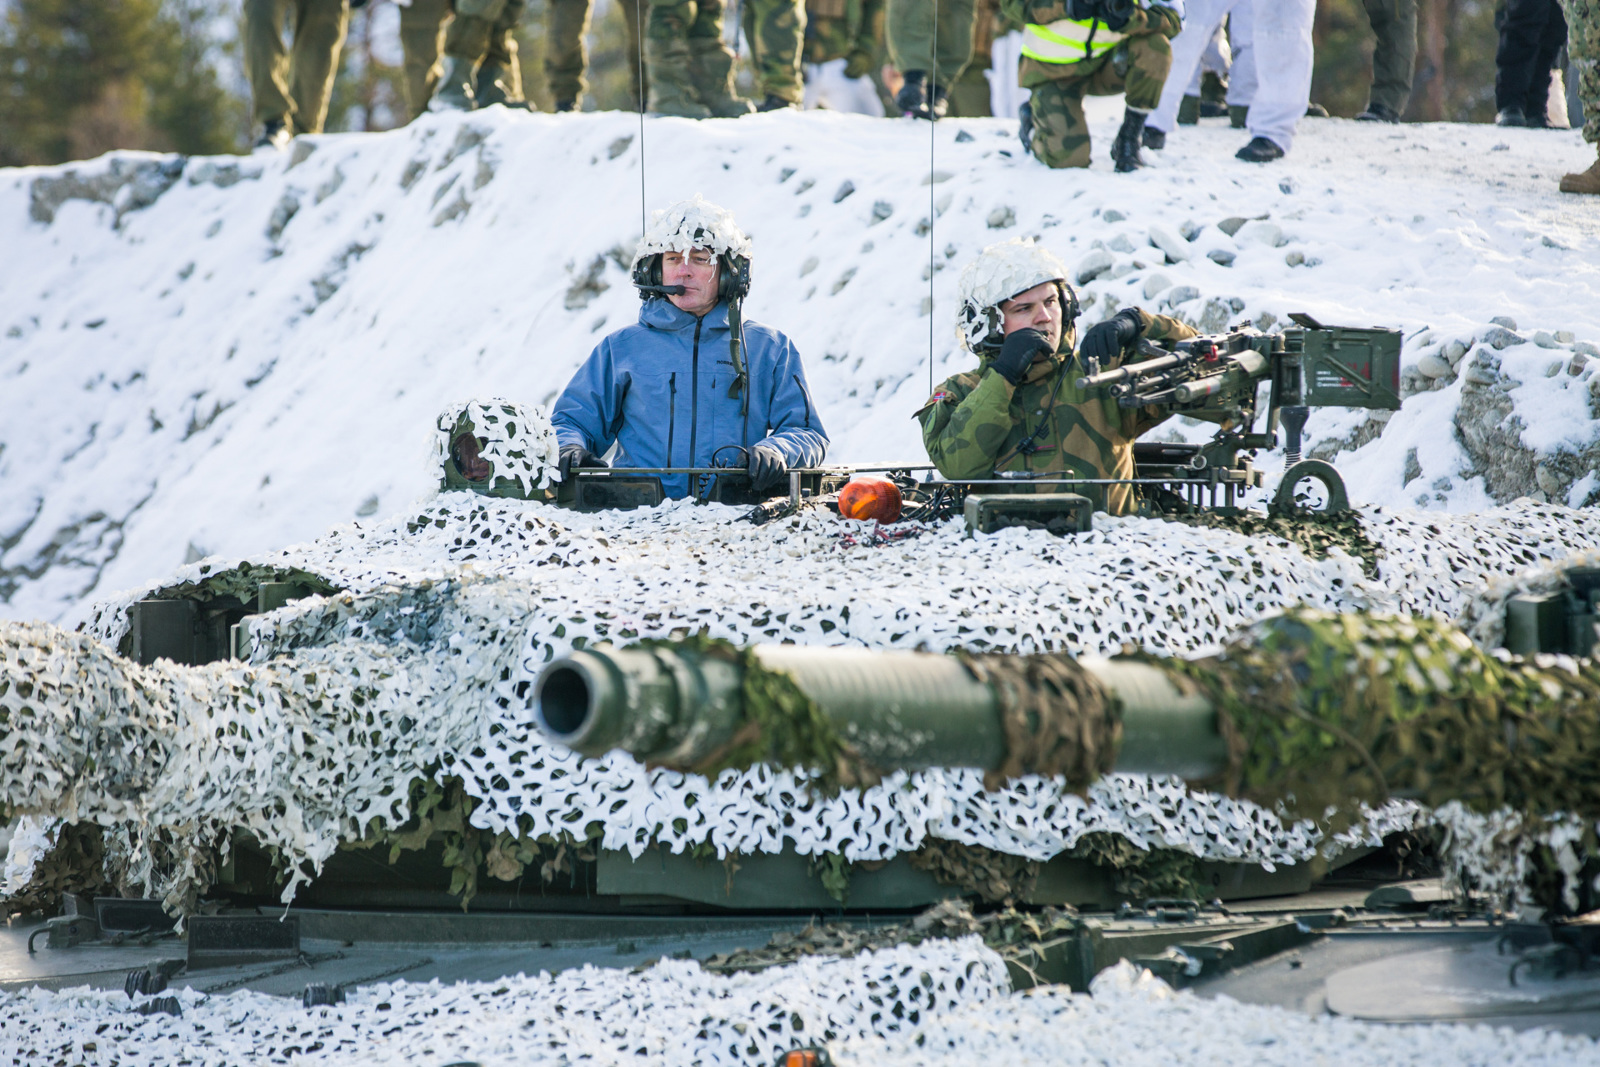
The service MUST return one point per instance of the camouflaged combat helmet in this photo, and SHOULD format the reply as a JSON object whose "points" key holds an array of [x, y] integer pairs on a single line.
{"points": [[689, 224], [495, 448], [1000, 272]]}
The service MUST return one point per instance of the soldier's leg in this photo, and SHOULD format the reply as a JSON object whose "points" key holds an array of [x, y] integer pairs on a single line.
{"points": [[266, 61], [1242, 76], [1544, 61], [1583, 45], [499, 79], [466, 44], [1060, 131], [319, 31], [1202, 19], [421, 40], [711, 63], [565, 55], [956, 26], [776, 32], [1281, 31], [637, 23], [1395, 57], [1521, 25], [672, 90], [910, 36]]}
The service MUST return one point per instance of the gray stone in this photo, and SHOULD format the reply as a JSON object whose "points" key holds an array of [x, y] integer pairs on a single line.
{"points": [[125, 184], [1413, 469], [1434, 365], [1091, 266], [1190, 229], [1588, 348], [1179, 294], [844, 190], [1266, 321], [1121, 243], [1214, 316], [882, 209], [1544, 339], [1454, 351], [1156, 282], [1111, 215], [1235, 304], [1175, 247], [1221, 256], [1505, 320], [1295, 258], [1549, 482], [1002, 217], [1565, 337], [1553, 368], [1443, 485], [1260, 232], [1577, 363], [1230, 226], [1502, 337]]}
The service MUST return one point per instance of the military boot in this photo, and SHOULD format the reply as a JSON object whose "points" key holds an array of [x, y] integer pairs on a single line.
{"points": [[912, 99], [671, 88], [711, 69], [496, 84], [1585, 181], [1154, 138], [1238, 116], [1189, 111], [275, 133], [1125, 149], [456, 90], [1025, 126]]}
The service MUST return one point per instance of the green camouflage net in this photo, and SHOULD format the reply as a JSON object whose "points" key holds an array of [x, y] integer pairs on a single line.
{"points": [[1323, 712], [1313, 532]]}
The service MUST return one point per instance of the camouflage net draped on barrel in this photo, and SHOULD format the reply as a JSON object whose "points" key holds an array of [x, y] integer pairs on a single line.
{"points": [[1057, 718]]}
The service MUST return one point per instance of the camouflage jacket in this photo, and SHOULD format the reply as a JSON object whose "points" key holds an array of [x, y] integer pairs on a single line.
{"points": [[1155, 17], [975, 424], [843, 29]]}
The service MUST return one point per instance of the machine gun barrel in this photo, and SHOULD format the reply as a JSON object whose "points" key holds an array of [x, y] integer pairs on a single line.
{"points": [[1135, 372], [676, 707]]}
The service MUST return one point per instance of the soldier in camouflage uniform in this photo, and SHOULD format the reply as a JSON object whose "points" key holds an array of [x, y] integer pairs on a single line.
{"points": [[776, 30], [1583, 45], [289, 88], [930, 51], [566, 58], [851, 30], [691, 70], [969, 94], [1022, 410], [1064, 58], [421, 41], [479, 66]]}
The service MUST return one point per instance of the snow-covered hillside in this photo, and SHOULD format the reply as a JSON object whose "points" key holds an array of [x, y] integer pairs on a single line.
{"points": [[226, 355]]}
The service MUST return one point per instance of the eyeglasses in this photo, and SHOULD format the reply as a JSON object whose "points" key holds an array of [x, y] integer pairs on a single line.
{"points": [[697, 258]]}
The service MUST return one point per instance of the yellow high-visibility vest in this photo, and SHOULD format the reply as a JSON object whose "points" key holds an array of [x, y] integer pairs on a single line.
{"points": [[1068, 40]]}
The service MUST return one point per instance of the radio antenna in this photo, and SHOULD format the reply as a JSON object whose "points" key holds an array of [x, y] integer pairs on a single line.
{"points": [[933, 78], [638, 22]]}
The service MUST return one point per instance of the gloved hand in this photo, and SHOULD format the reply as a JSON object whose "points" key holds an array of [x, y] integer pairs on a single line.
{"points": [[858, 64], [1108, 339], [767, 467], [576, 456], [1017, 352]]}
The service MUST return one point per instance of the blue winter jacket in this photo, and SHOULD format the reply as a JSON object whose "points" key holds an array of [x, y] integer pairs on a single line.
{"points": [[659, 390]]}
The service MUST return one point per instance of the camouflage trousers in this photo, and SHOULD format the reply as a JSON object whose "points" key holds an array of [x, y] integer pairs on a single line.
{"points": [[684, 19], [1583, 45], [914, 37], [566, 58], [1395, 57], [776, 30], [1138, 67], [292, 85]]}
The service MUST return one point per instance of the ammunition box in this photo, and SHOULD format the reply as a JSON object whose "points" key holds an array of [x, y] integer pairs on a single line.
{"points": [[613, 491], [1536, 623], [1057, 512], [1348, 367]]}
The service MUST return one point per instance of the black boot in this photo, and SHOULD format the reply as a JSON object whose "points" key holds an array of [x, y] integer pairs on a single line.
{"points": [[939, 105], [1125, 149], [912, 99], [1259, 150], [1511, 116], [1025, 126], [1154, 138]]}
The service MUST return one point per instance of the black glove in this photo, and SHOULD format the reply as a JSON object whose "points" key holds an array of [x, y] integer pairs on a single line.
{"points": [[576, 456], [1107, 339], [767, 467], [1114, 13], [1017, 352]]}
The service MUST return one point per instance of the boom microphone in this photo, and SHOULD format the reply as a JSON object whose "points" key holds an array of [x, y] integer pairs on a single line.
{"points": [[662, 290]]}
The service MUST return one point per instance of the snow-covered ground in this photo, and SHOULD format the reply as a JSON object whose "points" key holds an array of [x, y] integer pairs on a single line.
{"points": [[259, 350]]}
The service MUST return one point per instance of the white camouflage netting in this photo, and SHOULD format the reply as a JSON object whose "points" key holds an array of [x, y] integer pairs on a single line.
{"points": [[516, 439], [670, 1013], [939, 1003], [1001, 272], [423, 628], [690, 224], [1132, 1019]]}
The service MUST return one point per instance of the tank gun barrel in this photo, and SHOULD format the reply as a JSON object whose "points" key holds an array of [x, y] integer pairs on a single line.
{"points": [[899, 710]]}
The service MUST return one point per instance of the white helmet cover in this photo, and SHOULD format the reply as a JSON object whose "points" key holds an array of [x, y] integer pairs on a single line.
{"points": [[999, 273], [690, 224]]}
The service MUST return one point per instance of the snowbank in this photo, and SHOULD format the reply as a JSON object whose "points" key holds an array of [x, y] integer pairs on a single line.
{"points": [[227, 355]]}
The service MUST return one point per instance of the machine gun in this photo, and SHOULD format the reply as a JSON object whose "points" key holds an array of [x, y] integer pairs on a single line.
{"points": [[1217, 378]]}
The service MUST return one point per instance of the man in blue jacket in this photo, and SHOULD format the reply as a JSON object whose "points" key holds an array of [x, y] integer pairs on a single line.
{"points": [[691, 385]]}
